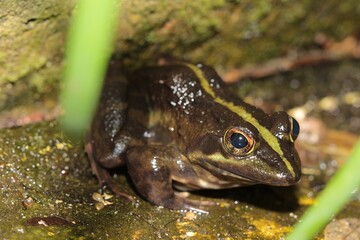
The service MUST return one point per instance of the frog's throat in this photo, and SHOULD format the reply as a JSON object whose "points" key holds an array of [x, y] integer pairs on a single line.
{"points": [[265, 133]]}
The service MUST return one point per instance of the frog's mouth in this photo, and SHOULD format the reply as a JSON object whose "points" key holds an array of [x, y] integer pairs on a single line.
{"points": [[226, 174], [250, 175]]}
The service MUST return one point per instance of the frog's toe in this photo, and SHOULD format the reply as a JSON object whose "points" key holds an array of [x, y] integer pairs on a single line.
{"points": [[104, 176], [118, 192], [185, 204], [105, 179], [197, 205], [193, 202]]}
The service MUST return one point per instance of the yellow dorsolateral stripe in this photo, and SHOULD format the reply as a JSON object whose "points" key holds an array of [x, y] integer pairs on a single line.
{"points": [[265, 133]]}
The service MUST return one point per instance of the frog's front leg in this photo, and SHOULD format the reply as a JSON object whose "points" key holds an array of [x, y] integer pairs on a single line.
{"points": [[151, 171]]}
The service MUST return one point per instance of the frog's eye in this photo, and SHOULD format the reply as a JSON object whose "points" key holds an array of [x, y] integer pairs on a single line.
{"points": [[295, 128], [238, 142]]}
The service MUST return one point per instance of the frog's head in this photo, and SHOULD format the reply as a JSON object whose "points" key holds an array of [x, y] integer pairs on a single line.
{"points": [[254, 151]]}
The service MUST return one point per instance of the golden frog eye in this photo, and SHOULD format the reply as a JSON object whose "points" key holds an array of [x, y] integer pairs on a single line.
{"points": [[238, 142]]}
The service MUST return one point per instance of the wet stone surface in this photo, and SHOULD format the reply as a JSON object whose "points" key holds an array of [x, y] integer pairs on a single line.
{"points": [[47, 189]]}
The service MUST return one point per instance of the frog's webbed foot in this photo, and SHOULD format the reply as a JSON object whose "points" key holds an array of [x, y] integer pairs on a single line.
{"points": [[184, 203], [104, 177]]}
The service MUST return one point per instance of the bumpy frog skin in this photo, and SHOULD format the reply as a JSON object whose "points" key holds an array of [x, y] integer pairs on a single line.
{"points": [[174, 127]]}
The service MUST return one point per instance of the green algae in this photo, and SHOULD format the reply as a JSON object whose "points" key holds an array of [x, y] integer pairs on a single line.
{"points": [[223, 34]]}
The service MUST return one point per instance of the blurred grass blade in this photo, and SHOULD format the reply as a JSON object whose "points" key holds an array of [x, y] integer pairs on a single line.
{"points": [[330, 201], [88, 49]]}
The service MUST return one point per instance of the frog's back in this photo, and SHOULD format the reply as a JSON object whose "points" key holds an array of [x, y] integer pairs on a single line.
{"points": [[171, 89], [168, 98]]}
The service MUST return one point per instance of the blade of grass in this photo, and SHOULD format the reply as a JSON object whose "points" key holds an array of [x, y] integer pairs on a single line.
{"points": [[330, 201], [88, 49]]}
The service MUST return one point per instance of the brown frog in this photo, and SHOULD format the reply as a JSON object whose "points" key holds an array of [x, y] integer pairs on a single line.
{"points": [[175, 127]]}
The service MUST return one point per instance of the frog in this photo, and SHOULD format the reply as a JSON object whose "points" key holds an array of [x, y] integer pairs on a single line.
{"points": [[177, 128]]}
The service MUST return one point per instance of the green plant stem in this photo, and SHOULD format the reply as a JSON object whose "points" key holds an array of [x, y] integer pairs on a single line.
{"points": [[88, 50], [330, 201]]}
